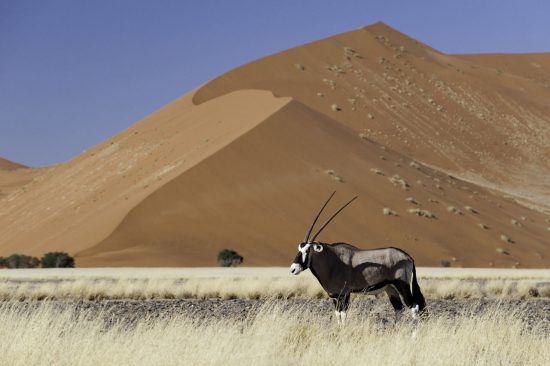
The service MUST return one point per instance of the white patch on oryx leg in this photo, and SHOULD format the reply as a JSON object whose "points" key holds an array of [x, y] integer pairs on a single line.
{"points": [[414, 311], [337, 314], [343, 317], [296, 268], [411, 283]]}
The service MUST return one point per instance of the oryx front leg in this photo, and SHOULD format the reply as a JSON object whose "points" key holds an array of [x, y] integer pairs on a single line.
{"points": [[341, 304]]}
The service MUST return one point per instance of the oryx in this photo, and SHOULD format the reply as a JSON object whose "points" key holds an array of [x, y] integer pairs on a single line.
{"points": [[342, 269]]}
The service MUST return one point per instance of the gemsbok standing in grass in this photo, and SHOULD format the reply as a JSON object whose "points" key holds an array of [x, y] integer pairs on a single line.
{"points": [[342, 269]]}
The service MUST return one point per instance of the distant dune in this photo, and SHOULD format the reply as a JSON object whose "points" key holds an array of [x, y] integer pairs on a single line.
{"points": [[9, 165], [244, 161]]}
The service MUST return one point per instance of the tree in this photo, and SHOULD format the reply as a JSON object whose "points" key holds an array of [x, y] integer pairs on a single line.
{"points": [[229, 258], [20, 261], [57, 260]]}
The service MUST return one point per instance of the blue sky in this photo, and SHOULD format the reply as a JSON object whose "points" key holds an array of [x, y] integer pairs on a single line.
{"points": [[74, 72]]}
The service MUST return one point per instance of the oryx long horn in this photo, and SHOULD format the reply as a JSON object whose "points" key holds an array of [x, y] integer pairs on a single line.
{"points": [[316, 217], [330, 219]]}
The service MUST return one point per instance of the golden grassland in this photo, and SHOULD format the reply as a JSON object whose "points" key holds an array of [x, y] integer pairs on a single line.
{"points": [[57, 331], [48, 335], [251, 283]]}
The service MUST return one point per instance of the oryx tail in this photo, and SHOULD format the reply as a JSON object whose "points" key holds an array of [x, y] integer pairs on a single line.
{"points": [[418, 298]]}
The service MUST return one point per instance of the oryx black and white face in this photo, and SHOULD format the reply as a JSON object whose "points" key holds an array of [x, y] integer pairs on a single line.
{"points": [[303, 258], [309, 246]]}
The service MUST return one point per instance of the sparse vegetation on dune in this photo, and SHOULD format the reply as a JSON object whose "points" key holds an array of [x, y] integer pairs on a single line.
{"points": [[64, 334]]}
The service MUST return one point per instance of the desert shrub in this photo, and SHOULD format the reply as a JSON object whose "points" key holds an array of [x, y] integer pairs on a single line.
{"points": [[389, 212], [411, 200], [506, 239], [333, 175], [229, 258], [502, 251], [57, 260], [445, 263], [20, 261], [398, 181], [454, 210], [422, 213]]}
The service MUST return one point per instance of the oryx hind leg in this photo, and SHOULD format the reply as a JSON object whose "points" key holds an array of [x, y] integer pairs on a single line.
{"points": [[395, 301], [405, 292]]}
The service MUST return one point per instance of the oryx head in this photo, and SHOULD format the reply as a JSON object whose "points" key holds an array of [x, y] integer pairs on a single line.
{"points": [[308, 248]]}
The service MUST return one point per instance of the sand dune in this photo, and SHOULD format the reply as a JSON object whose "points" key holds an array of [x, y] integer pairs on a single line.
{"points": [[245, 160], [13, 176], [10, 165]]}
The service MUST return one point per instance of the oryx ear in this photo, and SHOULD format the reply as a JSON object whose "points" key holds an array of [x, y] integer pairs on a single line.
{"points": [[318, 247]]}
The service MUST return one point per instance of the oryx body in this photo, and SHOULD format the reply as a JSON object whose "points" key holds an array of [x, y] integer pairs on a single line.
{"points": [[342, 269]]}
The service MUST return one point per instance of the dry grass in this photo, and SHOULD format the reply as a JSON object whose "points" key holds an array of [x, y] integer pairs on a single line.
{"points": [[48, 335], [251, 283]]}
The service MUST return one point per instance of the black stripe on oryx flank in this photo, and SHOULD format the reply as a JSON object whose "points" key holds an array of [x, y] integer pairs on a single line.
{"points": [[375, 287]]}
